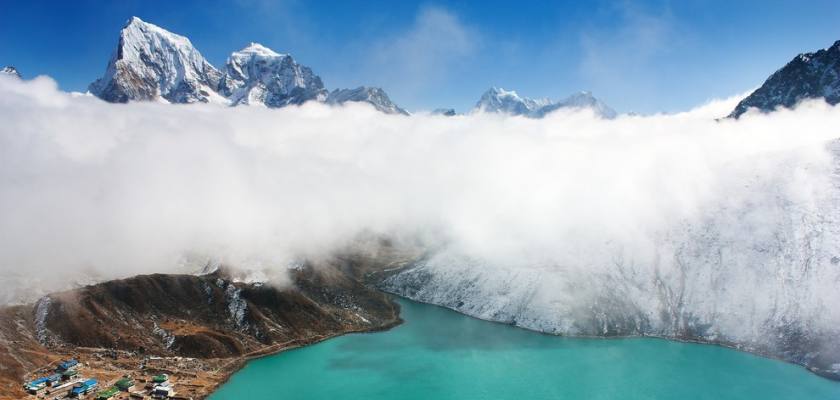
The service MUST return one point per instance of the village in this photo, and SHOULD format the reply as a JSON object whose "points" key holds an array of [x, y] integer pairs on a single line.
{"points": [[71, 378]]}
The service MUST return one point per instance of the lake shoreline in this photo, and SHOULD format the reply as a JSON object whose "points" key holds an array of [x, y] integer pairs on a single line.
{"points": [[240, 363], [832, 376], [450, 355]]}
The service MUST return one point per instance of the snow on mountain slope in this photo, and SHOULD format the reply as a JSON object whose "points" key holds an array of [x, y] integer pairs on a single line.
{"points": [[372, 95], [151, 63], [580, 100], [808, 75], [258, 75], [9, 70], [757, 269], [497, 100]]}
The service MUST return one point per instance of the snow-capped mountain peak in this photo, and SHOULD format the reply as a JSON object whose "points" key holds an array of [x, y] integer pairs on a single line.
{"points": [[9, 70], [152, 63], [582, 99], [373, 95], [257, 49], [498, 100], [807, 76], [259, 75]]}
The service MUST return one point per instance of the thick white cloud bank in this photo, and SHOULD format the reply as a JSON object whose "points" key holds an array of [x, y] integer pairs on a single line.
{"points": [[676, 225]]}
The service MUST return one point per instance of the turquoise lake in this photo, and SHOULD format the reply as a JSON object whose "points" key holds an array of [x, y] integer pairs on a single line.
{"points": [[440, 354]]}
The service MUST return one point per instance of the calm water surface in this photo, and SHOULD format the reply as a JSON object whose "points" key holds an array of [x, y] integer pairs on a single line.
{"points": [[440, 354]]}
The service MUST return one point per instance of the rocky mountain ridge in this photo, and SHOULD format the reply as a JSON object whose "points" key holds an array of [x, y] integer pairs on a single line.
{"points": [[807, 76], [153, 64], [498, 100], [258, 75], [375, 96]]}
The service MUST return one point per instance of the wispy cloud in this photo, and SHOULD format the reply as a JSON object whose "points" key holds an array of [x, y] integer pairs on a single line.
{"points": [[422, 56], [619, 58]]}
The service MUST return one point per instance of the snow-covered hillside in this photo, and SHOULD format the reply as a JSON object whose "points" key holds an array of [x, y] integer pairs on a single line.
{"points": [[757, 269]]}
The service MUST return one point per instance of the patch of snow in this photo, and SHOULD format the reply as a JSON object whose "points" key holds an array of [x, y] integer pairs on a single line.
{"points": [[10, 71], [363, 318], [237, 306], [42, 311], [167, 337], [208, 292]]}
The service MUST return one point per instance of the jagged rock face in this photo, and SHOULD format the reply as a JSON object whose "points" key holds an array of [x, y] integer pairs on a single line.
{"points": [[372, 95], [446, 112], [151, 63], [808, 76], [258, 75], [498, 100], [9, 70]]}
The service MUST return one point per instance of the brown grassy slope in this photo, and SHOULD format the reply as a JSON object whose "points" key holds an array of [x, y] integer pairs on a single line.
{"points": [[205, 317]]}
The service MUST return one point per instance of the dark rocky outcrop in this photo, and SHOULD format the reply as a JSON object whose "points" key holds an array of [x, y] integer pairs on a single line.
{"points": [[807, 76]]}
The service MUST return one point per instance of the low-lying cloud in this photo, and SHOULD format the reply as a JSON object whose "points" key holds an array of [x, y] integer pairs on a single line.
{"points": [[105, 190]]}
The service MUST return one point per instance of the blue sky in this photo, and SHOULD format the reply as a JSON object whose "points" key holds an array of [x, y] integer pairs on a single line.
{"points": [[644, 56]]}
